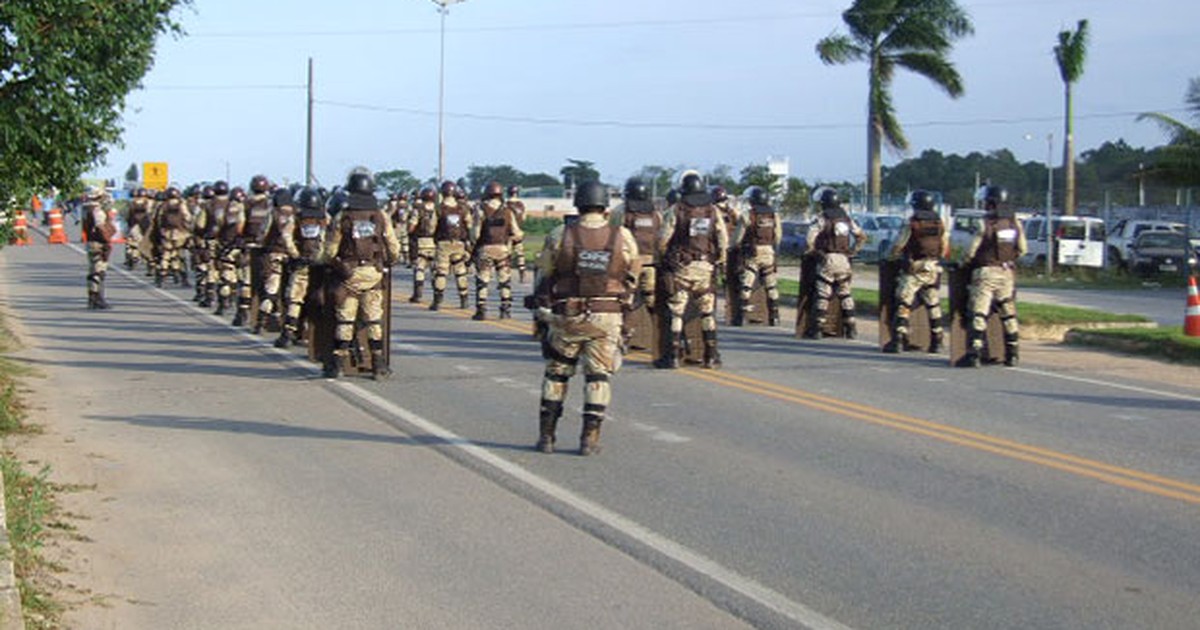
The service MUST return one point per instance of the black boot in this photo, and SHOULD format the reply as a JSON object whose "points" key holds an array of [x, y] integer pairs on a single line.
{"points": [[712, 358], [772, 312], [416, 294], [1011, 347], [589, 438], [243, 312], [935, 341], [480, 313], [437, 301], [338, 361], [91, 300], [551, 411], [462, 301], [101, 303], [670, 355], [849, 329], [739, 316], [287, 332], [380, 369], [974, 347], [898, 342], [506, 310], [158, 279], [816, 327], [222, 302], [183, 280]]}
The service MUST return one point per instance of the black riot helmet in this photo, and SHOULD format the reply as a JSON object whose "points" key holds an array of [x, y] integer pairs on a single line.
{"points": [[337, 203], [207, 192], [360, 182], [281, 197], [237, 194], [719, 194], [220, 188], [591, 196], [259, 184], [173, 193], [757, 195], [829, 198], [427, 194], [672, 197], [448, 189], [921, 200], [493, 190], [514, 190], [636, 189], [691, 183], [308, 198], [993, 196]]}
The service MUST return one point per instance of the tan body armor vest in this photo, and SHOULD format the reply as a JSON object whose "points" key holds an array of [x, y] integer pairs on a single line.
{"points": [[763, 225], [362, 237], [999, 245], [590, 264], [925, 236], [695, 235], [835, 237], [497, 226], [452, 223]]}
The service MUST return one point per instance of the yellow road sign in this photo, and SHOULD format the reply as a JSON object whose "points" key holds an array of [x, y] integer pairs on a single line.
{"points": [[154, 175]]}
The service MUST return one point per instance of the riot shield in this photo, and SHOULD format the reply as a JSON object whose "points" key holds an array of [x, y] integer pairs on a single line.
{"points": [[258, 261], [641, 327], [808, 296], [960, 321], [317, 312], [919, 335]]}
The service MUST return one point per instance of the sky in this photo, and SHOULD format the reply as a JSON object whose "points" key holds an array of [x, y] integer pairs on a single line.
{"points": [[624, 84]]}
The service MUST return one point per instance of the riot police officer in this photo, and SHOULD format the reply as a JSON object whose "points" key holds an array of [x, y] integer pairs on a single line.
{"points": [[304, 244], [422, 232], [231, 221], [170, 233], [756, 239], [275, 257], [99, 228], [637, 214], [922, 243], [494, 229], [992, 256], [362, 246], [585, 275], [137, 222], [517, 208], [835, 238], [453, 236], [694, 241], [257, 222]]}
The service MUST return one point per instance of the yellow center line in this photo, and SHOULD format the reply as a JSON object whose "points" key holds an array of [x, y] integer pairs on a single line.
{"points": [[1092, 469]]}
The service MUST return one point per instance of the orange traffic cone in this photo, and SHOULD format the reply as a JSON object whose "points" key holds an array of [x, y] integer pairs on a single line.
{"points": [[1191, 318], [119, 235], [21, 230], [57, 234]]}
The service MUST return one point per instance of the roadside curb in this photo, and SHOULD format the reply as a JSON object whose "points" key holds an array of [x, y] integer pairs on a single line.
{"points": [[11, 615], [1148, 349]]}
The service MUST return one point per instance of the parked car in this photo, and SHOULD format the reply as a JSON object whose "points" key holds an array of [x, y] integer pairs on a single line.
{"points": [[964, 224], [1161, 252], [794, 239], [881, 231], [1078, 241], [1126, 231]]}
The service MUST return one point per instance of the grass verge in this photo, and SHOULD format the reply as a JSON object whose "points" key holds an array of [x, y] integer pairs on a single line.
{"points": [[1164, 342], [31, 506], [866, 302]]}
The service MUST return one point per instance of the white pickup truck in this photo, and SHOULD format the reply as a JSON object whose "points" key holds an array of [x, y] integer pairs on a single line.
{"points": [[1125, 232]]}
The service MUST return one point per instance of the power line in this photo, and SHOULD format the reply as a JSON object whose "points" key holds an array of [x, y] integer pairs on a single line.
{"points": [[205, 88], [625, 124], [618, 24]]}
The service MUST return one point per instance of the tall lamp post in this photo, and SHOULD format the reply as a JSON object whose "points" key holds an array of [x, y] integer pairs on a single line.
{"points": [[443, 9], [1049, 201]]}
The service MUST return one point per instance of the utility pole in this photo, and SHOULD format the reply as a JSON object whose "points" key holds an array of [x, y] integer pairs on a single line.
{"points": [[443, 9], [1049, 204], [308, 151]]}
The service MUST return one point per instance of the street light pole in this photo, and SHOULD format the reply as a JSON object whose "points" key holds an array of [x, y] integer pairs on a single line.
{"points": [[443, 9], [1049, 204]]}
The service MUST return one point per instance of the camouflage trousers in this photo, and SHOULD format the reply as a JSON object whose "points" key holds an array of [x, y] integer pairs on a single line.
{"points": [[273, 264], [692, 282], [360, 298], [97, 256], [226, 270], [133, 242], [919, 285], [647, 282], [988, 285], [761, 265], [297, 289], [833, 278], [451, 257], [171, 245], [493, 262], [593, 339]]}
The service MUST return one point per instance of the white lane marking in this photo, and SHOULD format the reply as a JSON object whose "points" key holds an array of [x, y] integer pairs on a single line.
{"points": [[669, 438], [703, 565], [1092, 381], [533, 392], [468, 369], [642, 426]]}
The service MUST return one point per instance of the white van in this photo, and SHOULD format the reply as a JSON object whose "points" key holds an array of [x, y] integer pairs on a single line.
{"points": [[1078, 241]]}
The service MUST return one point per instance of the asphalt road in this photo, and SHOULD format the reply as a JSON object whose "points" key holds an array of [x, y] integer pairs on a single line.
{"points": [[808, 484]]}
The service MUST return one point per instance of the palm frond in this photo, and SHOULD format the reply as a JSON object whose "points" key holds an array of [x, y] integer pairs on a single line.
{"points": [[1071, 52], [1176, 129], [934, 67], [1192, 98], [869, 19], [839, 49]]}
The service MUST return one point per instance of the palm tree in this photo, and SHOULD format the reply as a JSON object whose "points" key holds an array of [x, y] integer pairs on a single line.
{"points": [[1070, 53], [916, 35], [1178, 163]]}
